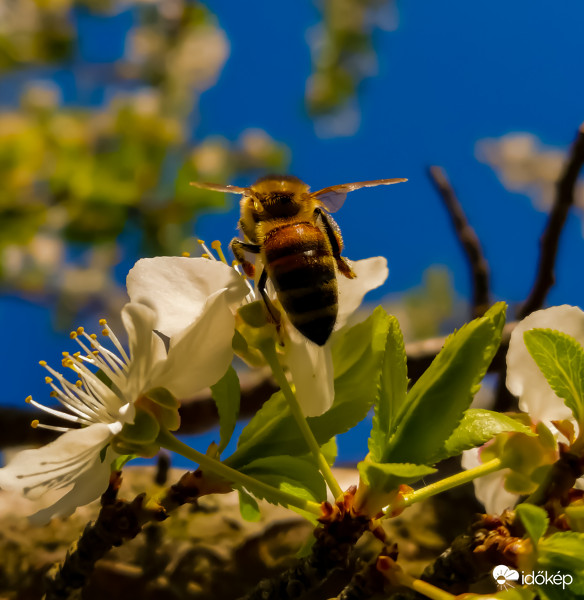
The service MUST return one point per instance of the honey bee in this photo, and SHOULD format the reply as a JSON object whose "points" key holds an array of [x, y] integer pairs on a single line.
{"points": [[299, 244]]}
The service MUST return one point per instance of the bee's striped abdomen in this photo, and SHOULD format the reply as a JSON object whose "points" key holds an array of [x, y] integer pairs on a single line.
{"points": [[301, 266]]}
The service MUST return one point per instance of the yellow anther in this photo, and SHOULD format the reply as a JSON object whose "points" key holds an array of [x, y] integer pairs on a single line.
{"points": [[95, 352], [34, 424], [102, 322], [216, 245], [80, 330], [77, 354], [28, 399], [105, 332], [79, 383], [65, 353], [234, 263], [43, 363], [186, 254], [93, 336], [200, 242], [67, 362], [73, 335], [53, 394], [205, 255], [48, 380]]}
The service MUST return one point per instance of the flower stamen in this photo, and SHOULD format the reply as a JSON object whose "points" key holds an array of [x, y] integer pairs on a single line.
{"points": [[116, 342], [35, 424], [216, 245], [55, 413], [208, 254], [88, 400]]}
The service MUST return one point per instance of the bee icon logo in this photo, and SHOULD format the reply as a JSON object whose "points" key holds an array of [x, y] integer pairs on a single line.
{"points": [[505, 577]]}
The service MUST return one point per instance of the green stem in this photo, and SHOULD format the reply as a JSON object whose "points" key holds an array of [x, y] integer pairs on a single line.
{"points": [[168, 441], [422, 587], [272, 359], [450, 482]]}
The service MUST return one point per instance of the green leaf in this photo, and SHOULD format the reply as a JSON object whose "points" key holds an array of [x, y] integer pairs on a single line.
{"points": [[226, 394], [392, 394], [563, 550], [575, 516], [386, 477], [561, 360], [294, 474], [435, 404], [360, 354], [306, 548], [248, 507], [534, 519], [477, 427], [562, 553], [330, 451]]}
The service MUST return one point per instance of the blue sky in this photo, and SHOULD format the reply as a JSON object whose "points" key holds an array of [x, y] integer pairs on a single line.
{"points": [[454, 72]]}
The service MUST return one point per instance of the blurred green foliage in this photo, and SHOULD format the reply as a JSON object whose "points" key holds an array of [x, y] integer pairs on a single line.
{"points": [[344, 55], [76, 178]]}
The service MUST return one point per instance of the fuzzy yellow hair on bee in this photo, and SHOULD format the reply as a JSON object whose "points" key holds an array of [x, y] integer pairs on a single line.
{"points": [[299, 244]]}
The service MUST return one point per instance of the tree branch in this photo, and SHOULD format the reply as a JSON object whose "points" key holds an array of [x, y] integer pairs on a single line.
{"points": [[550, 238], [479, 267], [199, 413]]}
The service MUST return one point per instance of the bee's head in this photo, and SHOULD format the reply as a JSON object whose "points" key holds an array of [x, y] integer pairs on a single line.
{"points": [[280, 196]]}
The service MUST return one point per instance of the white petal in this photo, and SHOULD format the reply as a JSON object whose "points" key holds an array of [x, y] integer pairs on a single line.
{"points": [[178, 287], [371, 273], [311, 367], [489, 489], [87, 487], [57, 465], [200, 355], [139, 322], [524, 379]]}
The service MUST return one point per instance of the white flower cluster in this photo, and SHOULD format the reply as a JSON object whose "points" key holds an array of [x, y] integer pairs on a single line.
{"points": [[536, 397], [180, 323]]}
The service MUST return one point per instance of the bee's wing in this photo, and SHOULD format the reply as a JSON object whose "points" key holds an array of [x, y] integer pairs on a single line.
{"points": [[217, 187], [332, 198]]}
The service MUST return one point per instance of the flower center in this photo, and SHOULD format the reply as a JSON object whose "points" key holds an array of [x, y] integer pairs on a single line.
{"points": [[216, 245], [96, 395]]}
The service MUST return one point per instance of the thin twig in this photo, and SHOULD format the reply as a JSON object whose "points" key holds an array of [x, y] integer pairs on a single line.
{"points": [[492, 540], [367, 581], [117, 522], [479, 267], [549, 241], [335, 538]]}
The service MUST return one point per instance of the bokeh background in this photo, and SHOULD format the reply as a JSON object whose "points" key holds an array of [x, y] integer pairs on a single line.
{"points": [[108, 109]]}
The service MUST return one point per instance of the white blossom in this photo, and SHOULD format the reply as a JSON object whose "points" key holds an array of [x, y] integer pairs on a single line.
{"points": [[188, 281], [74, 469], [536, 397]]}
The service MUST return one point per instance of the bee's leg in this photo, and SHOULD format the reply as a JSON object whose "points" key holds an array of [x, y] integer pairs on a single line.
{"points": [[336, 241], [249, 230], [273, 312], [238, 248]]}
